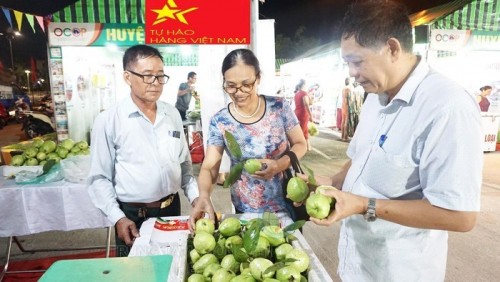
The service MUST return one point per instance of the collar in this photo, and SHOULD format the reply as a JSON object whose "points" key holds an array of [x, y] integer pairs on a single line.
{"points": [[132, 110], [409, 88]]}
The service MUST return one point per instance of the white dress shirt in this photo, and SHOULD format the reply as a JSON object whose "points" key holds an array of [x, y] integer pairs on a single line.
{"points": [[432, 150], [134, 160]]}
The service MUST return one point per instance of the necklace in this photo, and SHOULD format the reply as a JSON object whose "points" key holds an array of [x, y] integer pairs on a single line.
{"points": [[249, 116]]}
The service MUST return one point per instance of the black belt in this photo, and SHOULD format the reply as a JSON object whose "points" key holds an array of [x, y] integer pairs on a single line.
{"points": [[162, 203]]}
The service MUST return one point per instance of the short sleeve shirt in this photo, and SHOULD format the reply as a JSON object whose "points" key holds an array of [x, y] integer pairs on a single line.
{"points": [[263, 139], [183, 101], [432, 150]]}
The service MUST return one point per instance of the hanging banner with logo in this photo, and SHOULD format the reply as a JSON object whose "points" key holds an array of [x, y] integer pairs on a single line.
{"points": [[197, 22], [448, 39], [95, 34]]}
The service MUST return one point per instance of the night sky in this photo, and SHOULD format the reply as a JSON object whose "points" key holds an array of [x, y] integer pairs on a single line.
{"points": [[320, 17]]}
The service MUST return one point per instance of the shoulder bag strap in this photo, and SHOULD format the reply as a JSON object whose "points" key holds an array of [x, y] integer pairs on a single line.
{"points": [[294, 161]]}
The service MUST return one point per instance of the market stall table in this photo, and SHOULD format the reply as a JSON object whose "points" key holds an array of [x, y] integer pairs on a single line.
{"points": [[56, 206]]}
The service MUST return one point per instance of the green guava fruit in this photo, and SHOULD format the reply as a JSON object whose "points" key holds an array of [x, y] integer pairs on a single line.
{"points": [[41, 156], [204, 243], [194, 255], [288, 274], [48, 146], [30, 152], [37, 142], [244, 277], [196, 277], [210, 270], [252, 165], [301, 262], [230, 226], [273, 234], [62, 152], [223, 275], [281, 251], [230, 263], [297, 189], [67, 144], [82, 145], [31, 162], [318, 205], [233, 241], [258, 266], [203, 262], [17, 160], [262, 250], [204, 225], [75, 149]]}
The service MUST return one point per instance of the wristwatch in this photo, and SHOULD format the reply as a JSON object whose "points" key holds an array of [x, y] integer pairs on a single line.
{"points": [[370, 214]]}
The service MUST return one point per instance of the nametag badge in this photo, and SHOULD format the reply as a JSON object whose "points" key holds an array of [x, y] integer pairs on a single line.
{"points": [[175, 134]]}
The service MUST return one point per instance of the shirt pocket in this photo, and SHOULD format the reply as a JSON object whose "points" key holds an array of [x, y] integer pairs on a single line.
{"points": [[169, 146], [390, 175]]}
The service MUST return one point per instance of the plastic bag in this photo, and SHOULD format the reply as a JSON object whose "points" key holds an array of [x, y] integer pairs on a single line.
{"points": [[29, 177], [76, 168]]}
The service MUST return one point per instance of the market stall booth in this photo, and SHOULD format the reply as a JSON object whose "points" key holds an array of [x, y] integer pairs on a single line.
{"points": [[461, 39], [322, 66]]}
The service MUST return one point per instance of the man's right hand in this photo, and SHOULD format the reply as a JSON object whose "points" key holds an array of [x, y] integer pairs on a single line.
{"points": [[203, 206], [127, 231]]}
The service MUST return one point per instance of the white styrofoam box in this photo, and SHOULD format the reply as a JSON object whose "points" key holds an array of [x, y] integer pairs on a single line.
{"points": [[8, 170], [156, 242]]}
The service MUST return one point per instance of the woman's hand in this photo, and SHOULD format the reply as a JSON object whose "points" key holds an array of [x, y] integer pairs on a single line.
{"points": [[269, 169]]}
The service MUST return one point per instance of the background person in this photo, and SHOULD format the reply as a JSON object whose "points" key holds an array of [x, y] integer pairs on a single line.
{"points": [[346, 127], [405, 185], [185, 93], [264, 127], [482, 98], [302, 109], [139, 158]]}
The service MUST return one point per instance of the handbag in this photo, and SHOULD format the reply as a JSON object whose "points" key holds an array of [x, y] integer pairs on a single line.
{"points": [[296, 213]]}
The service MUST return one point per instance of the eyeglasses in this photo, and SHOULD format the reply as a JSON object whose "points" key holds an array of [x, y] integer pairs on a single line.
{"points": [[150, 78], [232, 89]]}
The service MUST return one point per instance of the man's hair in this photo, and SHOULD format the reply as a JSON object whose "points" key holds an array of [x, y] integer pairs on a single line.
{"points": [[373, 22], [246, 56], [191, 74], [137, 52]]}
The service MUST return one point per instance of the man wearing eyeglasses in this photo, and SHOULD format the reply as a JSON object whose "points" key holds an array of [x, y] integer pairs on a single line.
{"points": [[185, 93], [139, 158]]}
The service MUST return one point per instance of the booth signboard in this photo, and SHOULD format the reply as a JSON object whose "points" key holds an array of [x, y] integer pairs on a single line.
{"points": [[198, 22], [95, 34], [490, 128], [84, 79]]}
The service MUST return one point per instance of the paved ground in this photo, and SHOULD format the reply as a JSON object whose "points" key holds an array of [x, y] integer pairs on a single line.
{"points": [[473, 256]]}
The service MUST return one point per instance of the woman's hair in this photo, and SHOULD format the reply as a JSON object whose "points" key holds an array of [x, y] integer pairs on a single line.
{"points": [[373, 22], [301, 84], [484, 88], [246, 56]]}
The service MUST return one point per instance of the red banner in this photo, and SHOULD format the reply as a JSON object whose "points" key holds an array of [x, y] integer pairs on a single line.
{"points": [[197, 22]]}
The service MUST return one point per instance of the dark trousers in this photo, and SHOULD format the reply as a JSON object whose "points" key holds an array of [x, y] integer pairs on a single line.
{"points": [[183, 114], [132, 213]]}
